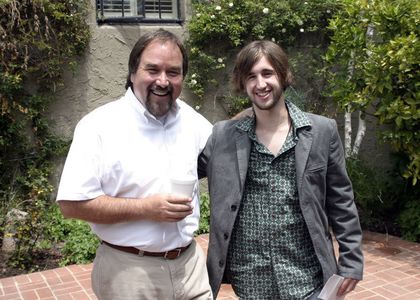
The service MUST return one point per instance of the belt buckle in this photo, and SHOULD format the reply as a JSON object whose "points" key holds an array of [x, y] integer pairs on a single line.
{"points": [[177, 253]]}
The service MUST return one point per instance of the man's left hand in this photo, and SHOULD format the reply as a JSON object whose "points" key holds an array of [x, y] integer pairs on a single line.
{"points": [[348, 285]]}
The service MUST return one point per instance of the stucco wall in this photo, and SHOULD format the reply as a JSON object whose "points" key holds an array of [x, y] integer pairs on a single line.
{"points": [[101, 74]]}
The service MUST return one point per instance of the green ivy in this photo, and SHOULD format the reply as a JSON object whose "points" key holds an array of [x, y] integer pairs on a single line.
{"points": [[38, 38]]}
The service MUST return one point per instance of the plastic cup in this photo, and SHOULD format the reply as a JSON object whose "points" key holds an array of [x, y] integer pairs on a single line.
{"points": [[184, 187]]}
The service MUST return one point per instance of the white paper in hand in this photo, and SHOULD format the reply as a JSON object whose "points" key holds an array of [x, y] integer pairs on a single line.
{"points": [[329, 292]]}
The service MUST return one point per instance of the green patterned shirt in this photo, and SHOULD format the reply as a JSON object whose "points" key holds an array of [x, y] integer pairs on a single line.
{"points": [[271, 255]]}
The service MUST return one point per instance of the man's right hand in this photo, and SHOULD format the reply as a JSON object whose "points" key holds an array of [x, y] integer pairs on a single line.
{"points": [[167, 207], [108, 210]]}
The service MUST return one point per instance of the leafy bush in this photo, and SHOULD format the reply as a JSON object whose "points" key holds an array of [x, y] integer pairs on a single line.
{"points": [[374, 58], [376, 196], [38, 38], [386, 202], [409, 219], [77, 242], [204, 225]]}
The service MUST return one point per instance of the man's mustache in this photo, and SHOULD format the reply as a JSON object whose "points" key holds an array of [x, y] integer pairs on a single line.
{"points": [[161, 90]]}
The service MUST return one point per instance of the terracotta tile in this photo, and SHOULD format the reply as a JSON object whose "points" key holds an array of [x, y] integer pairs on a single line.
{"points": [[82, 295], [64, 297], [44, 293], [29, 295], [32, 286], [9, 290], [360, 295], [22, 279], [10, 297], [391, 275], [68, 291]]}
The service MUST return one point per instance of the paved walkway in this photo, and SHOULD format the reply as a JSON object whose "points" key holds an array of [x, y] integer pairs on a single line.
{"points": [[392, 271]]}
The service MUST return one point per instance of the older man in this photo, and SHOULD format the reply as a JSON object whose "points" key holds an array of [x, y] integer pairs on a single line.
{"points": [[116, 177]]}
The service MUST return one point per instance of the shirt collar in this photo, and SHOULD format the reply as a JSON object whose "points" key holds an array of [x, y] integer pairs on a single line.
{"points": [[298, 117]]}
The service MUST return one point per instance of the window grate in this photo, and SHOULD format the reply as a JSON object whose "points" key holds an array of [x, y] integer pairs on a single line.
{"points": [[119, 11]]}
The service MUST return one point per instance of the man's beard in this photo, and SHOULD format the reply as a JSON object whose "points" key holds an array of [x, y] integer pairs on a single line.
{"points": [[159, 108], [276, 98]]}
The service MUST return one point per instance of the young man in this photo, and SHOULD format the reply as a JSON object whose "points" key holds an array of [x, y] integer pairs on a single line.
{"points": [[117, 173], [278, 184]]}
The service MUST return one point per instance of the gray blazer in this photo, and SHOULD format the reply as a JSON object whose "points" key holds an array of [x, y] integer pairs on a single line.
{"points": [[325, 195]]}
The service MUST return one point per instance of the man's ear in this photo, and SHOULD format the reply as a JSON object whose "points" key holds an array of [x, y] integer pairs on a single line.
{"points": [[247, 112]]}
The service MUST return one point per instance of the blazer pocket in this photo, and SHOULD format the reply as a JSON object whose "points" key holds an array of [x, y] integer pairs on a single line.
{"points": [[316, 168]]}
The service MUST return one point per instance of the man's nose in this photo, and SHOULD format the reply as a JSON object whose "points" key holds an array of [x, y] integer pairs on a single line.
{"points": [[162, 80], [261, 82]]}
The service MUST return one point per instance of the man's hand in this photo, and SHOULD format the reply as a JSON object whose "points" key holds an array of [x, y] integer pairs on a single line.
{"points": [[348, 285], [167, 207]]}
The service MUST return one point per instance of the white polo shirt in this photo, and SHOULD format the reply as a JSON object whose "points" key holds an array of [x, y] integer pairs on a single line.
{"points": [[121, 150]]}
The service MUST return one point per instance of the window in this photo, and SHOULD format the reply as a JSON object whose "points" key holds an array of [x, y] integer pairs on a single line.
{"points": [[120, 11]]}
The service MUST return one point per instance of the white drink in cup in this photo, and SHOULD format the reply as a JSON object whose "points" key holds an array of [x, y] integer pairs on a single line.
{"points": [[184, 187]]}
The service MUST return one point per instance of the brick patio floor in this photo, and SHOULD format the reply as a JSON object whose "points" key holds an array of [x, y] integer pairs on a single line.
{"points": [[392, 271]]}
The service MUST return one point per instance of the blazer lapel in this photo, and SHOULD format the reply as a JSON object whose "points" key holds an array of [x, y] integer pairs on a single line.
{"points": [[302, 149], [243, 148]]}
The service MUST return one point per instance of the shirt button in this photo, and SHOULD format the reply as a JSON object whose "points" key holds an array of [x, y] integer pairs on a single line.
{"points": [[221, 263], [233, 208]]}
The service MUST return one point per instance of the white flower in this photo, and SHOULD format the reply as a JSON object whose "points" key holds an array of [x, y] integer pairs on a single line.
{"points": [[301, 30], [283, 30], [197, 107], [265, 10], [198, 15], [193, 82], [193, 75], [220, 60], [273, 40], [299, 22], [328, 11], [230, 4], [212, 16], [261, 37], [306, 3], [218, 7]]}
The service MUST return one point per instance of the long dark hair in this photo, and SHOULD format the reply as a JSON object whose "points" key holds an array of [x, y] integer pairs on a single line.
{"points": [[251, 54]]}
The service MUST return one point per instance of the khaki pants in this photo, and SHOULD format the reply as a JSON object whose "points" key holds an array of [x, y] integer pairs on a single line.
{"points": [[120, 275]]}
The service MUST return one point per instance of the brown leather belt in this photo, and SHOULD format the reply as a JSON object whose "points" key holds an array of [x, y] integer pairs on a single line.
{"points": [[171, 254]]}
